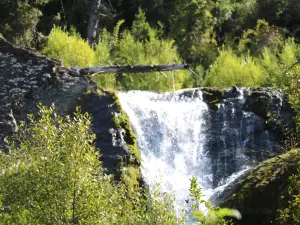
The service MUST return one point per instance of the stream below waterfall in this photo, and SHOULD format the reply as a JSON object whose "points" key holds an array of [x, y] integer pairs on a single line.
{"points": [[179, 138]]}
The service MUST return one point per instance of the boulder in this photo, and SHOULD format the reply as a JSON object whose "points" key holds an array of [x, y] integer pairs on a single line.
{"points": [[260, 193]]}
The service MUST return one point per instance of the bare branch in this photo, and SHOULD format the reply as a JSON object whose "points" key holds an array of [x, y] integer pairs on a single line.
{"points": [[133, 69]]}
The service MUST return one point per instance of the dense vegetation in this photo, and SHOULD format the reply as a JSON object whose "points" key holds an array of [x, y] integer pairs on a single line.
{"points": [[227, 42], [56, 177], [53, 175]]}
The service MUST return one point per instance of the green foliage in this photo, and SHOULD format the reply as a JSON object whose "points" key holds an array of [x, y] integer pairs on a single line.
{"points": [[103, 48], [22, 31], [268, 68], [140, 27], [141, 45], [121, 120], [212, 216], [71, 50], [271, 63], [53, 175], [108, 81], [230, 70], [291, 213], [134, 47], [292, 88], [277, 63], [255, 40], [19, 20], [192, 26], [116, 32], [224, 9], [49, 177]]}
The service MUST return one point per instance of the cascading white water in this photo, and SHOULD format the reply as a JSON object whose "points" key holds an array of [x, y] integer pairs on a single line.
{"points": [[173, 132]]}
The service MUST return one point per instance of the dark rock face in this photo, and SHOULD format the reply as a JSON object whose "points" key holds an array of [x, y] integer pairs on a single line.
{"points": [[109, 139], [243, 127], [271, 105], [27, 79], [240, 130]]}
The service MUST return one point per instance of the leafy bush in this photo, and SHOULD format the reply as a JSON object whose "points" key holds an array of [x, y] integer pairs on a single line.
{"points": [[141, 45], [255, 40], [71, 50], [276, 63], [291, 213], [213, 215], [230, 70], [53, 175], [270, 62], [134, 47], [19, 21]]}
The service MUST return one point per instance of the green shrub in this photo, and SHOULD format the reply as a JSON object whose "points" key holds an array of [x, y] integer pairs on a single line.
{"points": [[71, 50], [270, 62], [18, 21], [255, 40], [213, 215], [230, 70], [276, 63], [53, 175], [140, 46], [289, 53], [127, 48]]}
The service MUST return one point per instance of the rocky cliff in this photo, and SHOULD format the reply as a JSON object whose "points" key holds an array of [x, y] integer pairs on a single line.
{"points": [[28, 79]]}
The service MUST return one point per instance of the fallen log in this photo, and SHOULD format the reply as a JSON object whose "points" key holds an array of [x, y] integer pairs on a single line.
{"points": [[133, 69]]}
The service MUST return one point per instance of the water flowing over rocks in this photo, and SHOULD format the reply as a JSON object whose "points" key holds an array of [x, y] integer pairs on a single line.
{"points": [[215, 135]]}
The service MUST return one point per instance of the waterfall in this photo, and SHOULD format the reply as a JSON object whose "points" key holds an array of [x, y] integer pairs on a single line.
{"points": [[179, 138]]}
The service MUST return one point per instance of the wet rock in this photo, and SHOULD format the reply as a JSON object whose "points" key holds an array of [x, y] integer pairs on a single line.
{"points": [[264, 101], [213, 97], [246, 126]]}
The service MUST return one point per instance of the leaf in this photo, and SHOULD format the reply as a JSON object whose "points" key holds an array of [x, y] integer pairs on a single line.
{"points": [[223, 212]]}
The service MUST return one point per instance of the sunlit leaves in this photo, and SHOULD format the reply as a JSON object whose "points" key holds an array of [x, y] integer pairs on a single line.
{"points": [[53, 175], [71, 50]]}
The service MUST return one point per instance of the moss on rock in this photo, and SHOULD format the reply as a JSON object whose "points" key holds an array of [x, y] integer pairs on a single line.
{"points": [[129, 169], [264, 190], [121, 120]]}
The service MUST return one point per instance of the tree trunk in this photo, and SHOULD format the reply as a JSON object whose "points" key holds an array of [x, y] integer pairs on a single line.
{"points": [[93, 21], [133, 69]]}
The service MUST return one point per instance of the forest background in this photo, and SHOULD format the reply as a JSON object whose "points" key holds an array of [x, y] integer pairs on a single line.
{"points": [[228, 42]]}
